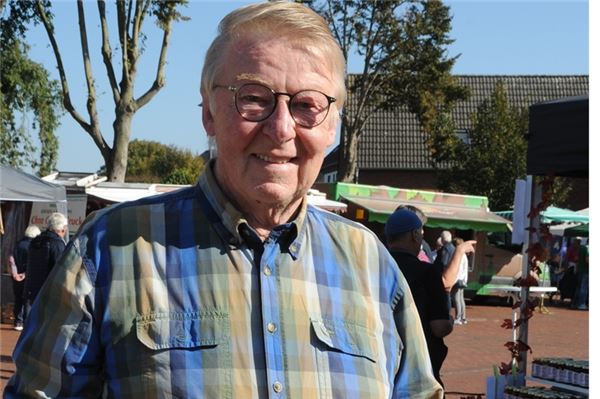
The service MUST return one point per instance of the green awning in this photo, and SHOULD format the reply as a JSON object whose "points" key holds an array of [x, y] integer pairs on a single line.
{"points": [[443, 210]]}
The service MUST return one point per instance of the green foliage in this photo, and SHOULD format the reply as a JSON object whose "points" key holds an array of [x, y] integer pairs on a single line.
{"points": [[494, 155], [404, 46], [153, 162], [561, 191], [30, 99], [126, 19]]}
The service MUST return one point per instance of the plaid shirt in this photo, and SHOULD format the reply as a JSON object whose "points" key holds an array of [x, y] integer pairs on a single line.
{"points": [[176, 296]]}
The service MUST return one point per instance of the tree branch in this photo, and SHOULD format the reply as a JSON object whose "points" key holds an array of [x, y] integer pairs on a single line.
{"points": [[61, 69], [159, 82], [107, 52], [123, 21], [136, 28], [89, 78]]}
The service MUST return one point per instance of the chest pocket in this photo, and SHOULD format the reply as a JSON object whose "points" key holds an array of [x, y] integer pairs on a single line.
{"points": [[344, 347], [345, 337], [178, 345]]}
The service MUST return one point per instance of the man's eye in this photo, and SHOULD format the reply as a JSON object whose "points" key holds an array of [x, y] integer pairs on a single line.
{"points": [[254, 99], [308, 106]]}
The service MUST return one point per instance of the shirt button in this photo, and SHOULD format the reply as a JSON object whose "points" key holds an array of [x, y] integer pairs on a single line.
{"points": [[267, 271], [277, 387], [271, 327]]}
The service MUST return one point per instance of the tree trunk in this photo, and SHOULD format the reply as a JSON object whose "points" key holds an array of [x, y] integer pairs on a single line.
{"points": [[348, 156], [117, 165]]}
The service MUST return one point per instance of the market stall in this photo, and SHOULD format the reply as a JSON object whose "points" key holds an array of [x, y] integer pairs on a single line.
{"points": [[18, 191], [558, 145]]}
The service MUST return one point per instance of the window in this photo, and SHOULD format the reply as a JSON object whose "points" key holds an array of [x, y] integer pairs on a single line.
{"points": [[330, 177], [463, 135]]}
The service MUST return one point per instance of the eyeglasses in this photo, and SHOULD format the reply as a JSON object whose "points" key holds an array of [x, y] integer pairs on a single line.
{"points": [[256, 102]]}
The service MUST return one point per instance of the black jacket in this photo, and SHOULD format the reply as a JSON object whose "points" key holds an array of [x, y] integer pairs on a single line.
{"points": [[20, 254], [427, 289], [44, 252]]}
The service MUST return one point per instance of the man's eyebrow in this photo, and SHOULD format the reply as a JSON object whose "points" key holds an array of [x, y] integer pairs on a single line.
{"points": [[253, 77]]}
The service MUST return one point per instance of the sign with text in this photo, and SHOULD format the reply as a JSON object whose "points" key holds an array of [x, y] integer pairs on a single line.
{"points": [[76, 205]]}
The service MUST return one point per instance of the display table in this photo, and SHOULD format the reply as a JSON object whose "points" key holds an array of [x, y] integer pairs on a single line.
{"points": [[560, 386], [515, 292]]}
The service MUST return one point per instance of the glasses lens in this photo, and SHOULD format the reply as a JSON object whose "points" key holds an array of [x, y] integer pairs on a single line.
{"points": [[254, 102], [309, 107]]}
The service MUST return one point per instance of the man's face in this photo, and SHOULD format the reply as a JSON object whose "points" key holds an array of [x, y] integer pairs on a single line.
{"points": [[272, 163]]}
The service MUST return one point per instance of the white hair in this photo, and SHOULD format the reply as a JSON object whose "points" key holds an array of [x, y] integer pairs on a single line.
{"points": [[446, 236], [32, 231], [57, 221]]}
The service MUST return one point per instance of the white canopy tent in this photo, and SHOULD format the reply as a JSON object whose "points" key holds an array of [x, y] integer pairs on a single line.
{"points": [[17, 191], [16, 185]]}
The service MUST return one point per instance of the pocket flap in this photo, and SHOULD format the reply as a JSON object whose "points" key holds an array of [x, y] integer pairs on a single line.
{"points": [[346, 337], [182, 329]]}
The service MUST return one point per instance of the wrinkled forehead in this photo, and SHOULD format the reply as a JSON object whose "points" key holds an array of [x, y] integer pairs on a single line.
{"points": [[316, 58]]}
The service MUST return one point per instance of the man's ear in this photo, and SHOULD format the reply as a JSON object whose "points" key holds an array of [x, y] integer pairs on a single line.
{"points": [[208, 119], [416, 235]]}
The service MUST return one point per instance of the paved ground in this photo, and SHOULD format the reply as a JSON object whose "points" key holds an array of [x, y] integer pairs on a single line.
{"points": [[474, 347]]}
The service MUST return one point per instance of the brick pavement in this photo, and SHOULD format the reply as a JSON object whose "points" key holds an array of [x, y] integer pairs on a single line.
{"points": [[473, 348]]}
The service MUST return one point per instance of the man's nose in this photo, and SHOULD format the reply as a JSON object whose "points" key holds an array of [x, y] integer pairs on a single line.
{"points": [[280, 126]]}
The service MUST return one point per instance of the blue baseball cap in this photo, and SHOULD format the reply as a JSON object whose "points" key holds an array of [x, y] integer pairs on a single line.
{"points": [[402, 221]]}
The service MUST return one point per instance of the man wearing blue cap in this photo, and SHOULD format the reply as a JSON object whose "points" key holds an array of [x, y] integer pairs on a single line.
{"points": [[404, 233]]}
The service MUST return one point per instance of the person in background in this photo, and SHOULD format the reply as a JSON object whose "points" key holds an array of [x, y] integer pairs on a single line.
{"points": [[425, 252], [404, 234], [17, 263], [444, 254], [438, 246], [426, 248], [458, 290], [235, 287], [44, 252], [448, 259], [583, 279], [573, 254]]}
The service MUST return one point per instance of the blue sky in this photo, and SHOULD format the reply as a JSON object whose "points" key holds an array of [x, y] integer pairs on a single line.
{"points": [[492, 37]]}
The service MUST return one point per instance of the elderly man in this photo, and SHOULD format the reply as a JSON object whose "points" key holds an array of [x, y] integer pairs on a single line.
{"points": [[43, 254], [236, 288]]}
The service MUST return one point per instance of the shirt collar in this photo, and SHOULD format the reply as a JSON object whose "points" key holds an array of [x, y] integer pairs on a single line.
{"points": [[232, 219]]}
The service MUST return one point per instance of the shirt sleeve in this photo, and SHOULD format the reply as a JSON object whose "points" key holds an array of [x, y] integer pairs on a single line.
{"points": [[57, 355], [415, 376]]}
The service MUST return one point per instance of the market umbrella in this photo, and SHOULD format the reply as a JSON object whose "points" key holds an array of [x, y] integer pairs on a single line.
{"points": [[583, 230], [555, 214]]}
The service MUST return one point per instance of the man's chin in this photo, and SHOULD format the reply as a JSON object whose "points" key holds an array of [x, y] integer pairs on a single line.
{"points": [[276, 195]]}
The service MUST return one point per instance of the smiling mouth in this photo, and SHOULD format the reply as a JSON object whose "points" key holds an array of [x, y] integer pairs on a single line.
{"points": [[268, 159]]}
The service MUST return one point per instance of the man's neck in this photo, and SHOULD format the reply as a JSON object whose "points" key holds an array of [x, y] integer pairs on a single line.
{"points": [[402, 248]]}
